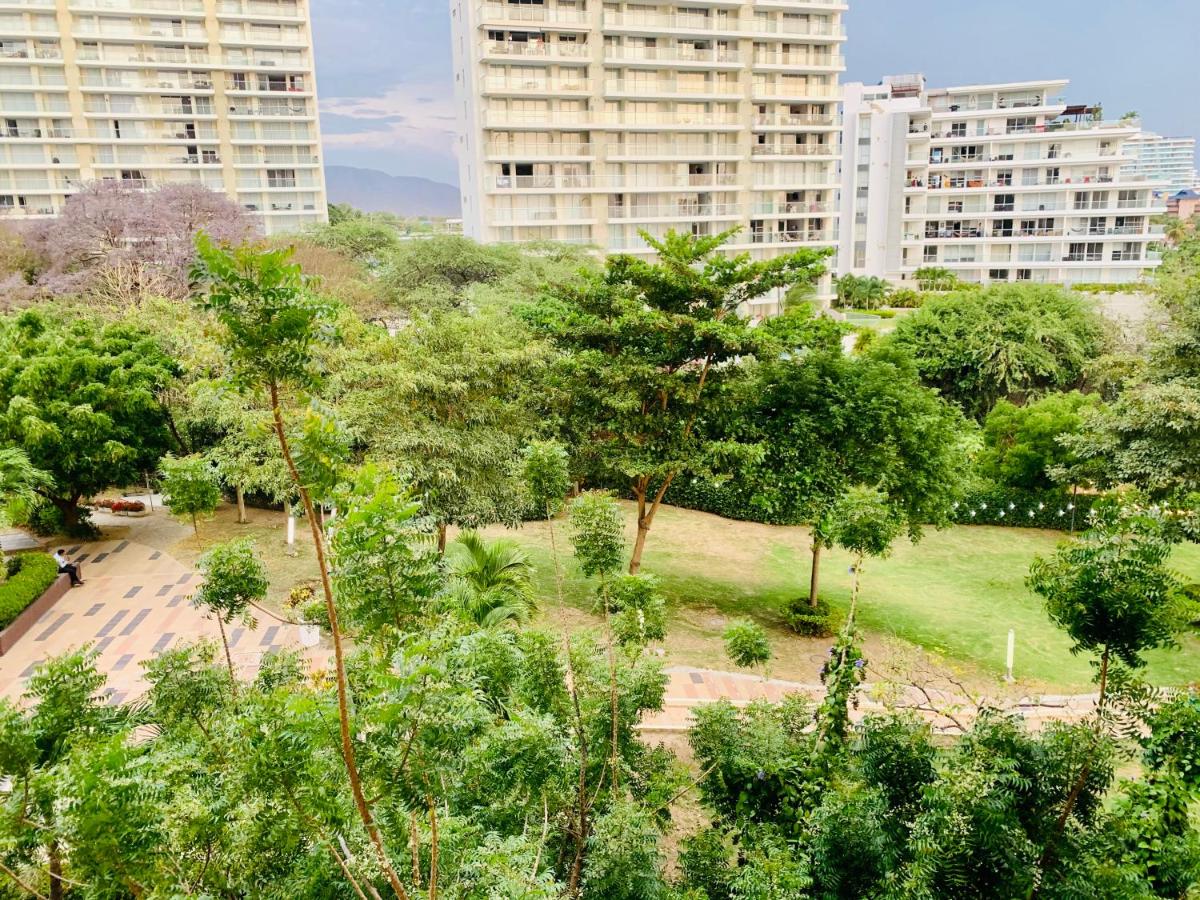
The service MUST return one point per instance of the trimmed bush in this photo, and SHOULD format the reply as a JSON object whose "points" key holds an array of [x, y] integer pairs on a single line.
{"points": [[34, 574], [1024, 509], [803, 619], [905, 298]]}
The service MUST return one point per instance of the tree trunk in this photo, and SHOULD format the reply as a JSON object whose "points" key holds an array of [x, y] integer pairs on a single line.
{"points": [[70, 512], [228, 656], [349, 757], [56, 882], [241, 505], [195, 526], [441, 542], [814, 579], [639, 545]]}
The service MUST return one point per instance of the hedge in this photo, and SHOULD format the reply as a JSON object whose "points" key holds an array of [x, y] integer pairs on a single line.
{"points": [[34, 574], [1024, 509], [995, 506]]}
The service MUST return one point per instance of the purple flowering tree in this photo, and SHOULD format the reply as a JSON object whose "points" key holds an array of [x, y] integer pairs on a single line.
{"points": [[123, 243]]}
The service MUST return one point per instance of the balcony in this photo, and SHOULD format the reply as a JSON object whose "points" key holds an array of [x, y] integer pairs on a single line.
{"points": [[793, 150], [669, 87], [680, 54], [509, 12], [787, 120], [607, 182], [539, 149], [800, 60], [539, 215], [535, 50], [672, 150], [499, 85], [648, 21], [681, 210], [984, 104], [796, 208], [792, 237]]}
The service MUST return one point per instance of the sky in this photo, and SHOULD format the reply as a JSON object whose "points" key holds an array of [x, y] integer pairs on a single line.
{"points": [[386, 80]]}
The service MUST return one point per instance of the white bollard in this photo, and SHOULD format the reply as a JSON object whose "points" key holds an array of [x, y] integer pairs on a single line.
{"points": [[291, 530], [1012, 649]]}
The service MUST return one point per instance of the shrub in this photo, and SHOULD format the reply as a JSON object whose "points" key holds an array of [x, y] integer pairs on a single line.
{"points": [[35, 573], [906, 298], [134, 506], [47, 520], [804, 619]]}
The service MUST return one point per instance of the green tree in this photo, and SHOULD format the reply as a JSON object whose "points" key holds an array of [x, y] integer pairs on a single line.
{"points": [[1022, 445], [234, 580], [1148, 434], [1111, 590], [270, 325], [747, 645], [1006, 341], [81, 399], [829, 422], [448, 403], [648, 350], [436, 274], [490, 583], [190, 488]]}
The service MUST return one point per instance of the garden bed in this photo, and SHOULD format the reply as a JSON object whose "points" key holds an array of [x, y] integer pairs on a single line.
{"points": [[29, 592]]}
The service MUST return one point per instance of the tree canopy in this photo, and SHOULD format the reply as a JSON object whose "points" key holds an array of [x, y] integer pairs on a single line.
{"points": [[1005, 341], [81, 399]]}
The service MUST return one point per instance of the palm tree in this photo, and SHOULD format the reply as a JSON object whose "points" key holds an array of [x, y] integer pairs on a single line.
{"points": [[490, 583]]}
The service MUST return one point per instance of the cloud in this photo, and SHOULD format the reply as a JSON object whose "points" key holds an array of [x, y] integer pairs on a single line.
{"points": [[414, 116]]}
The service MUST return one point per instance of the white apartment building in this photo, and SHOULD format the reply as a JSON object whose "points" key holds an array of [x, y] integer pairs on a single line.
{"points": [[214, 92], [1168, 159], [587, 120], [996, 182]]}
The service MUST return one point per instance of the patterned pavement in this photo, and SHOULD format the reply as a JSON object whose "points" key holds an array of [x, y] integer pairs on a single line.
{"points": [[134, 605]]}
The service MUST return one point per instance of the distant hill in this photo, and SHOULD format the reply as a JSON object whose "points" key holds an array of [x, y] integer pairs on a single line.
{"points": [[373, 191]]}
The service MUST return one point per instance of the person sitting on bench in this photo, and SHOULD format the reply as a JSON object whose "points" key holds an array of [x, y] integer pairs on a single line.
{"points": [[66, 568]]}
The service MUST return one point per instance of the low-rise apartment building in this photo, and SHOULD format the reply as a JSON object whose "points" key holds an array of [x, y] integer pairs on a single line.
{"points": [[220, 93], [996, 182]]}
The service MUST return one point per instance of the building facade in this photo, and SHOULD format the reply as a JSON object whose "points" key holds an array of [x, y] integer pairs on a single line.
{"points": [[997, 183], [220, 93], [587, 121], [1168, 159]]}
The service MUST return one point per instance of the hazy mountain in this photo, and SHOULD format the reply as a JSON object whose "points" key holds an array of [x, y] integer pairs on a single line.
{"points": [[373, 191]]}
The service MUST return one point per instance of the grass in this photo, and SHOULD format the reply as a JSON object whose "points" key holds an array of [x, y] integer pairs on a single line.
{"points": [[955, 594]]}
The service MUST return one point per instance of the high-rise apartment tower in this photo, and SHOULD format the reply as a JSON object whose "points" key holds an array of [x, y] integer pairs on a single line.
{"points": [[214, 92], [589, 120]]}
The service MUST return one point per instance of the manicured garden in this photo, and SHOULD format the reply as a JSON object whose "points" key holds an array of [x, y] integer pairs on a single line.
{"points": [[956, 594], [28, 577]]}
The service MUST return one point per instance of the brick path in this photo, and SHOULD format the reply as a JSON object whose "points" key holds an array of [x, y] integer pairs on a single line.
{"points": [[134, 605], [689, 688]]}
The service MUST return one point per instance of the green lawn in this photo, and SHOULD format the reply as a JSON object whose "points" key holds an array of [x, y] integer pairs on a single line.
{"points": [[957, 593]]}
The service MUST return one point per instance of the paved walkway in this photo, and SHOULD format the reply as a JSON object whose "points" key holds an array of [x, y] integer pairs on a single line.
{"points": [[689, 688], [13, 541], [135, 604]]}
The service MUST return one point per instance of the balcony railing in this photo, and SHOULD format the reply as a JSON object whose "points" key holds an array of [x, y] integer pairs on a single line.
{"points": [[549, 214], [792, 237], [795, 208], [680, 53], [537, 49], [792, 150], [580, 182], [679, 210], [787, 120], [673, 149], [720, 24], [669, 86], [511, 12], [986, 103], [800, 60], [539, 148], [535, 85]]}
